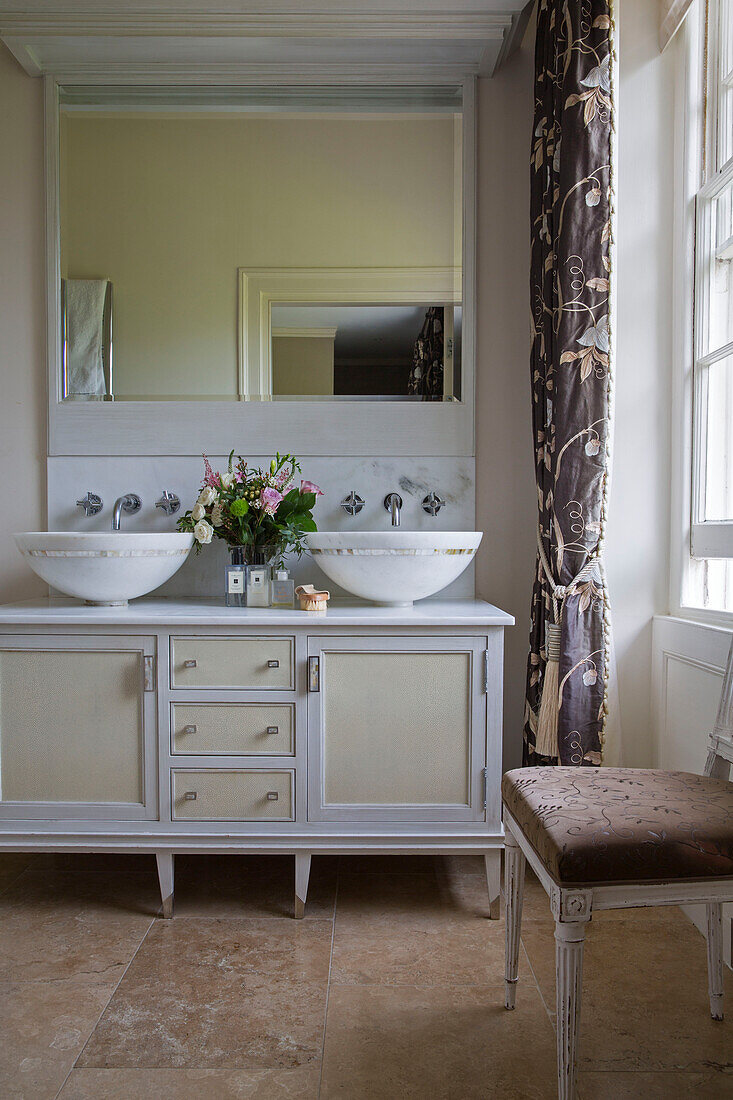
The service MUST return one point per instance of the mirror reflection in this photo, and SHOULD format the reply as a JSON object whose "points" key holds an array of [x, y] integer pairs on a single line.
{"points": [[229, 247]]}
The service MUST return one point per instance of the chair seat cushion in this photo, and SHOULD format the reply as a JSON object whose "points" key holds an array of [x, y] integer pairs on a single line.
{"points": [[613, 825]]}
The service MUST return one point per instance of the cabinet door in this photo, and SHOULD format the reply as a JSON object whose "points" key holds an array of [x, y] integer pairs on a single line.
{"points": [[396, 729], [77, 727]]}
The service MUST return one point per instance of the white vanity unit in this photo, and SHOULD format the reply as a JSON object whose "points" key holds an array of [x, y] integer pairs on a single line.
{"points": [[183, 726]]}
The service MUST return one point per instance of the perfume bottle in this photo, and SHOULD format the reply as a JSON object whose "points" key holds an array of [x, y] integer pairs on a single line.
{"points": [[258, 585], [235, 579], [283, 590]]}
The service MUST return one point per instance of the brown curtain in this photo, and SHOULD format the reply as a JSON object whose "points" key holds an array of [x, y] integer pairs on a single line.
{"points": [[426, 375], [570, 365]]}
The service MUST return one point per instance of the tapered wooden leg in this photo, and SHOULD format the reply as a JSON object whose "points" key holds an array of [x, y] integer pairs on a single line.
{"points": [[569, 940], [715, 959], [492, 861], [514, 868], [165, 878], [302, 874]]}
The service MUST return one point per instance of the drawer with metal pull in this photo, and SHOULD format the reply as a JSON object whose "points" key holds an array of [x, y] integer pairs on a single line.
{"points": [[228, 794], [262, 663], [233, 729]]}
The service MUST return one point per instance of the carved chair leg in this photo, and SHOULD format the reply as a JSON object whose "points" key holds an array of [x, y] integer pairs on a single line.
{"points": [[164, 861], [715, 959], [569, 941], [302, 874], [492, 863], [514, 868]]}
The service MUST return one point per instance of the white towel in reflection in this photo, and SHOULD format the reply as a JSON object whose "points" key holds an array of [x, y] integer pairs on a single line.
{"points": [[84, 313]]}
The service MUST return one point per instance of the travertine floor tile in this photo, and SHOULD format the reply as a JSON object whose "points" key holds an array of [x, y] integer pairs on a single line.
{"points": [[43, 1027], [445, 1043], [473, 955], [184, 1084], [655, 1086], [61, 926], [250, 886], [645, 1001], [422, 901], [208, 1022]]}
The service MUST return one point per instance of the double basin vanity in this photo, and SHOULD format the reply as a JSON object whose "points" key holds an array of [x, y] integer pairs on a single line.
{"points": [[181, 726]]}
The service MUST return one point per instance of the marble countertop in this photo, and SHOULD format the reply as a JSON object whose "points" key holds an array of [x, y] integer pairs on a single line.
{"points": [[162, 613]]}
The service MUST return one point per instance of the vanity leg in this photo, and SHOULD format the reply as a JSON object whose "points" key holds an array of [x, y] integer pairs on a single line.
{"points": [[493, 881], [302, 874], [165, 878]]}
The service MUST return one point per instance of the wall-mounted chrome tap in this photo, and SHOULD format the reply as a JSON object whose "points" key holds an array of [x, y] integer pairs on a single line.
{"points": [[432, 503], [393, 504], [352, 504], [129, 503], [169, 503], [92, 504]]}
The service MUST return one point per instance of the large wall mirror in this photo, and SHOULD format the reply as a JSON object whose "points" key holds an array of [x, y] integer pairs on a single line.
{"points": [[244, 245]]}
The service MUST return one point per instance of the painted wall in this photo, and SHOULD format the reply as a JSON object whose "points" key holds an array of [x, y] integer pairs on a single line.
{"points": [[169, 208], [22, 312], [302, 364]]}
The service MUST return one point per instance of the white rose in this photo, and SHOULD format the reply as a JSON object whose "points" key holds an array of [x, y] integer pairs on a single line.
{"points": [[207, 495], [203, 531], [227, 480], [197, 512]]}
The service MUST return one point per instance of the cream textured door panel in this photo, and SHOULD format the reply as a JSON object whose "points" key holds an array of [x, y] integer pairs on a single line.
{"points": [[71, 726], [232, 729], [396, 728], [229, 795], [263, 663]]}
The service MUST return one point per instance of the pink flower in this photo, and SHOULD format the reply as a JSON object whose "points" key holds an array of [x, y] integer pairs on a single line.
{"points": [[210, 477], [310, 487], [270, 501]]}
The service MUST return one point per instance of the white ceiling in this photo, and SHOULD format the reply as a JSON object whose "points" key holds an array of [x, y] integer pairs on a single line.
{"points": [[236, 41]]}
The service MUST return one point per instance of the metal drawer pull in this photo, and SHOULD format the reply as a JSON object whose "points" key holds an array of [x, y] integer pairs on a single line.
{"points": [[190, 729], [190, 796], [272, 796], [273, 729], [273, 664], [190, 664]]}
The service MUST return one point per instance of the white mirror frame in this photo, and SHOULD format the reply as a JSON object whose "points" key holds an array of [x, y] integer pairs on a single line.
{"points": [[305, 427]]}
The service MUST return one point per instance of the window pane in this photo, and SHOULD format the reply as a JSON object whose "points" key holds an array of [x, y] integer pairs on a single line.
{"points": [[719, 448], [720, 330], [725, 87]]}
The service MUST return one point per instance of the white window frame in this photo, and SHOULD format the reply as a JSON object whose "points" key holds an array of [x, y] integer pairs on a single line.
{"points": [[709, 539]]}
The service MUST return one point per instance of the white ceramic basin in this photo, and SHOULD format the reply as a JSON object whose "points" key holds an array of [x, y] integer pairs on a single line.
{"points": [[104, 568], [393, 567]]}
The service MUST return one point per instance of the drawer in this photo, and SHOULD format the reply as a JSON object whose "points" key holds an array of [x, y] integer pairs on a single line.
{"points": [[225, 794], [263, 663], [233, 729]]}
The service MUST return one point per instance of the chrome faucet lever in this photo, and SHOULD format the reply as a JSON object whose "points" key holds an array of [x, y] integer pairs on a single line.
{"points": [[92, 504], [393, 504], [169, 502], [352, 504], [432, 503], [129, 503]]}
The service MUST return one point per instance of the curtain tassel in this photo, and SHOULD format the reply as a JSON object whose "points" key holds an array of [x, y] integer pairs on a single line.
{"points": [[546, 743]]}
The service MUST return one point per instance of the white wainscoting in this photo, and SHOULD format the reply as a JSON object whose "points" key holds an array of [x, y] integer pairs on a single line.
{"points": [[688, 661]]}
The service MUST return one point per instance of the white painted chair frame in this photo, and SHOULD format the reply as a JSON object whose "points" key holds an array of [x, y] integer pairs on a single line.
{"points": [[572, 908]]}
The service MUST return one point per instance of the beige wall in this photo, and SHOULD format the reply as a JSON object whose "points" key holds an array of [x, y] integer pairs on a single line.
{"points": [[169, 208], [22, 320], [302, 364]]}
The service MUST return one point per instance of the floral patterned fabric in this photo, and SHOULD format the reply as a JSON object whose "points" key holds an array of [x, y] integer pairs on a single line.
{"points": [[426, 375], [623, 824], [570, 296]]}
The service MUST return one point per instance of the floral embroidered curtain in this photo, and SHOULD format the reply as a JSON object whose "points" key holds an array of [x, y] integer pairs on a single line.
{"points": [[570, 363], [426, 375]]}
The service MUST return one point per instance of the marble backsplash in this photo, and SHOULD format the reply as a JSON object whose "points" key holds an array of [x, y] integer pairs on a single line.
{"points": [[453, 479]]}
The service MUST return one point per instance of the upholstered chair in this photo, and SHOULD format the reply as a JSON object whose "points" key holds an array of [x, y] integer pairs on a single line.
{"points": [[614, 838]]}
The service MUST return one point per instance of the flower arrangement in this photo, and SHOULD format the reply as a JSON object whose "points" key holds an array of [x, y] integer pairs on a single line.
{"points": [[254, 508]]}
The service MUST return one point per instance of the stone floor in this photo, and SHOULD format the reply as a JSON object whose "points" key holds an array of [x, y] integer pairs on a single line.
{"points": [[390, 988]]}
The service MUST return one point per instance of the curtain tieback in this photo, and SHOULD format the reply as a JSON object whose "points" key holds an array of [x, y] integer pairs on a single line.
{"points": [[546, 743]]}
